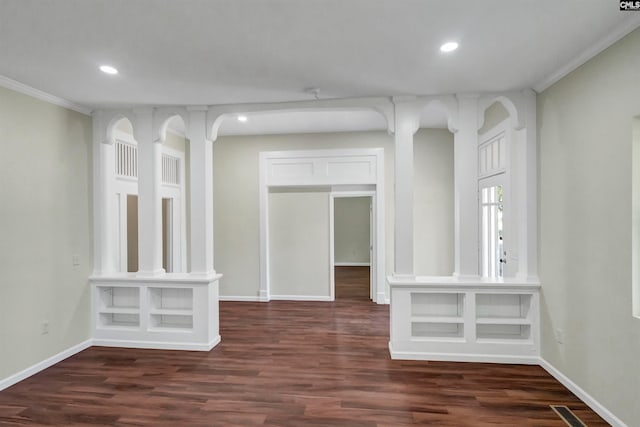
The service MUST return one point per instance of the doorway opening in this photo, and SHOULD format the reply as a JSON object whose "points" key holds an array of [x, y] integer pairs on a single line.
{"points": [[352, 237]]}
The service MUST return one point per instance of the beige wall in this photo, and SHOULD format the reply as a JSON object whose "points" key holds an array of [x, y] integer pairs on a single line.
{"points": [[351, 229], [584, 131], [299, 243], [236, 209], [45, 219], [433, 203]]}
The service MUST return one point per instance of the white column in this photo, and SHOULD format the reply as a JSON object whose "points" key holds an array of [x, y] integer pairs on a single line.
{"points": [[201, 182], [466, 188], [149, 195], [407, 121], [103, 207], [527, 190]]}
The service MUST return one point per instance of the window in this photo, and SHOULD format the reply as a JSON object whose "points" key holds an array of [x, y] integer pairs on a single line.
{"points": [[492, 249]]}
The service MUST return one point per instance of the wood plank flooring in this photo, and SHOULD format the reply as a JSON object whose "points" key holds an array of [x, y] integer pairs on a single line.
{"points": [[288, 364]]}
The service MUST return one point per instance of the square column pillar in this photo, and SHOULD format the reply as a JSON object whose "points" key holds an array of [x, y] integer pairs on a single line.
{"points": [[526, 189], [103, 176], [407, 121], [201, 182], [465, 160], [149, 195]]}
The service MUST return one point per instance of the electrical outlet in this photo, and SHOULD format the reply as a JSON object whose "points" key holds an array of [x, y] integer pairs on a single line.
{"points": [[75, 259], [559, 336], [45, 327]]}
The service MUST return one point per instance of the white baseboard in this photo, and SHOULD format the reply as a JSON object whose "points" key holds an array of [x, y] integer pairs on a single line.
{"points": [[582, 394], [40, 366], [352, 264], [157, 345], [457, 357], [300, 298], [381, 298], [239, 298]]}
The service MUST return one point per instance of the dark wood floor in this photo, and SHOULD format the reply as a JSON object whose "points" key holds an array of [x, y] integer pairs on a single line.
{"points": [[288, 364]]}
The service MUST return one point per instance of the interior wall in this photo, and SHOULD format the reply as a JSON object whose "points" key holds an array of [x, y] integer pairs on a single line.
{"points": [[299, 243], [433, 181], [236, 201], [585, 176], [45, 222], [351, 230]]}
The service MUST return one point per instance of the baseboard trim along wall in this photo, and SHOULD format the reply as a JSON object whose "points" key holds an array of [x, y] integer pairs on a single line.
{"points": [[158, 345], [352, 264], [41, 366], [300, 298], [582, 394], [239, 298], [457, 357]]}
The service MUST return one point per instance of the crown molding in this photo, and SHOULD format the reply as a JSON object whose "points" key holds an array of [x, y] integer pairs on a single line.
{"points": [[43, 96], [619, 32]]}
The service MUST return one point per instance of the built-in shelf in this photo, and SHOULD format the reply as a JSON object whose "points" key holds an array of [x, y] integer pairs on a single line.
{"points": [[437, 330], [119, 297], [436, 319], [118, 307], [119, 320], [503, 332], [171, 311], [502, 321], [464, 320], [171, 321]]}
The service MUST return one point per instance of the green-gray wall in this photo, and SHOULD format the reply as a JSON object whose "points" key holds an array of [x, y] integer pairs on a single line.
{"points": [[584, 131], [45, 220]]}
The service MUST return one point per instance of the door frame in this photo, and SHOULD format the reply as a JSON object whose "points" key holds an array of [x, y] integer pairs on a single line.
{"points": [[359, 169], [372, 238]]}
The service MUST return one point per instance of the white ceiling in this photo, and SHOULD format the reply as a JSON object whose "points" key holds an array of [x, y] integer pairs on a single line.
{"points": [[197, 52]]}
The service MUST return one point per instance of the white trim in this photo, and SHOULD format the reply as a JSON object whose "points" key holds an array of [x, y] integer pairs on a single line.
{"points": [[40, 366], [340, 185], [43, 96], [458, 357], [373, 233], [239, 298], [157, 345], [582, 394], [352, 264], [618, 33], [300, 298]]}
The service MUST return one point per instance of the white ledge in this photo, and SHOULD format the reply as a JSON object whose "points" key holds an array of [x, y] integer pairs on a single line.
{"points": [[461, 282], [186, 278]]}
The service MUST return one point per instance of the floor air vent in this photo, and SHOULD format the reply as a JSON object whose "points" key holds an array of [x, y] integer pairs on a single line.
{"points": [[568, 416]]}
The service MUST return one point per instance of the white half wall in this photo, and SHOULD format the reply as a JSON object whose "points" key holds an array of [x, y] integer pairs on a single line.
{"points": [[299, 243]]}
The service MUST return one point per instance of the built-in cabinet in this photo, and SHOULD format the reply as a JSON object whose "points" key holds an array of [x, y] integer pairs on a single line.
{"points": [[171, 312], [446, 319]]}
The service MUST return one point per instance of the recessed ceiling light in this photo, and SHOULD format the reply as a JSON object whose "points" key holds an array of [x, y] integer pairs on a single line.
{"points": [[449, 47], [108, 69], [242, 118]]}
